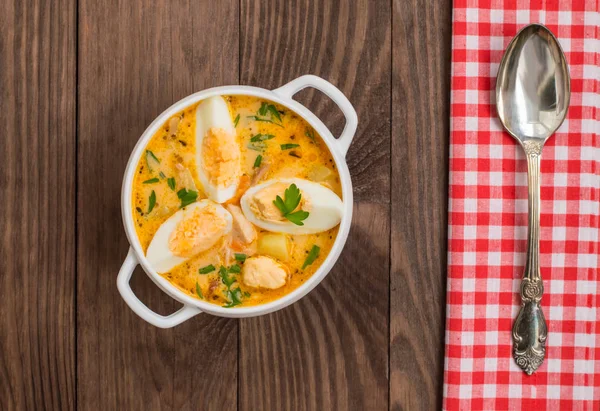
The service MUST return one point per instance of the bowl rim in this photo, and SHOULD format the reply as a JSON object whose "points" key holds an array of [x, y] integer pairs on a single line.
{"points": [[287, 299]]}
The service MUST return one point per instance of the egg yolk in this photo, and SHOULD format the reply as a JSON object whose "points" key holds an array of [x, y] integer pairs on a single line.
{"points": [[261, 203], [221, 157], [197, 232]]}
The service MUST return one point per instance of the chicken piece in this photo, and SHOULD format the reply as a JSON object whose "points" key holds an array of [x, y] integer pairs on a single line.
{"points": [[263, 272], [260, 173], [243, 230]]}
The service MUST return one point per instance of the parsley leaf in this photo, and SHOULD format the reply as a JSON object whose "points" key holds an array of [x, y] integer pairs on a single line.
{"points": [[240, 257], [199, 291], [236, 121], [290, 202], [187, 197], [171, 183], [292, 197], [151, 181], [312, 256], [235, 269], [208, 269], [261, 137], [257, 161], [151, 201], [297, 217], [288, 146]]}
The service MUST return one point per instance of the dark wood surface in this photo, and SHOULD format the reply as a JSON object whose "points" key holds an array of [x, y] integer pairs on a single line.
{"points": [[79, 83]]}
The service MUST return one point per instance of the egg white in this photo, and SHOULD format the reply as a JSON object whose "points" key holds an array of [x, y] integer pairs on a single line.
{"points": [[326, 208], [159, 255], [213, 113]]}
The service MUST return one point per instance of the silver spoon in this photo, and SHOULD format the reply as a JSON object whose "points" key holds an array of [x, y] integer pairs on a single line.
{"points": [[532, 97]]}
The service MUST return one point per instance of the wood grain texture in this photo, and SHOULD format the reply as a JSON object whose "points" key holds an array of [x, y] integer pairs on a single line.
{"points": [[75, 97], [347, 43], [37, 217], [420, 136], [136, 59], [328, 351]]}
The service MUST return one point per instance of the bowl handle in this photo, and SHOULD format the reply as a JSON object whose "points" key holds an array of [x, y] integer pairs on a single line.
{"points": [[139, 308], [294, 86]]}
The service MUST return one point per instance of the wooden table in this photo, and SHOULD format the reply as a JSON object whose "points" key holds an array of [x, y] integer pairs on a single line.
{"points": [[79, 82]]}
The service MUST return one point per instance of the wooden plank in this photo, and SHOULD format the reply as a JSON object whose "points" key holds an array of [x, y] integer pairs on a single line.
{"points": [[347, 43], [137, 58], [420, 130], [37, 217], [328, 351]]}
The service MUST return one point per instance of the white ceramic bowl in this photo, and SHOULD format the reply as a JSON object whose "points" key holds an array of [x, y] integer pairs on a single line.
{"points": [[193, 306]]}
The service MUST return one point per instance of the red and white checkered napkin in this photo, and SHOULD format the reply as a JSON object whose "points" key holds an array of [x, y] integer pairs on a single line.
{"points": [[488, 218]]}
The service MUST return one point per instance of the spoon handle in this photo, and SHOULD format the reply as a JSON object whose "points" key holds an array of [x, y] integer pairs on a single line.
{"points": [[529, 330]]}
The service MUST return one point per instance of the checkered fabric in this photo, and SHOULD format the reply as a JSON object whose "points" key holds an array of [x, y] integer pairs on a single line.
{"points": [[488, 218]]}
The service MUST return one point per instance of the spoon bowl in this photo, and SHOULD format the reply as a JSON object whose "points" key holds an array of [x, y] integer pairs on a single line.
{"points": [[532, 97], [533, 85]]}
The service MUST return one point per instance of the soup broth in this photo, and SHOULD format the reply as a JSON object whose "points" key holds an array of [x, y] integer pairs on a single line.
{"points": [[206, 201]]}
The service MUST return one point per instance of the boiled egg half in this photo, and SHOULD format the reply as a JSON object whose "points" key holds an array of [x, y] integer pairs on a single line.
{"points": [[325, 207], [187, 233], [218, 155]]}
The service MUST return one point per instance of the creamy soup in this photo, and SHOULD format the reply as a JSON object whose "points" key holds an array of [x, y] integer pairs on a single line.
{"points": [[236, 201]]}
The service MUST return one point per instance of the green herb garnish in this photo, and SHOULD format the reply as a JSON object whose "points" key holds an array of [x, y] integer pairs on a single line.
{"points": [[235, 269], [246, 294], [274, 113], [171, 183], [225, 277], [262, 111], [151, 181], [234, 297], [161, 175], [236, 121], [151, 158], [199, 291], [287, 205], [259, 146], [208, 269], [240, 257], [289, 146], [261, 137], [268, 109], [297, 217], [265, 120], [310, 134], [152, 201], [257, 161], [312, 256], [187, 197]]}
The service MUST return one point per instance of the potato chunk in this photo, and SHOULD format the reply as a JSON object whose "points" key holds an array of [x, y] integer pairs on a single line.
{"points": [[275, 245], [263, 272]]}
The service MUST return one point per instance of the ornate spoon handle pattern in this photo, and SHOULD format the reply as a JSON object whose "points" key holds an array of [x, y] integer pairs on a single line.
{"points": [[529, 330]]}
